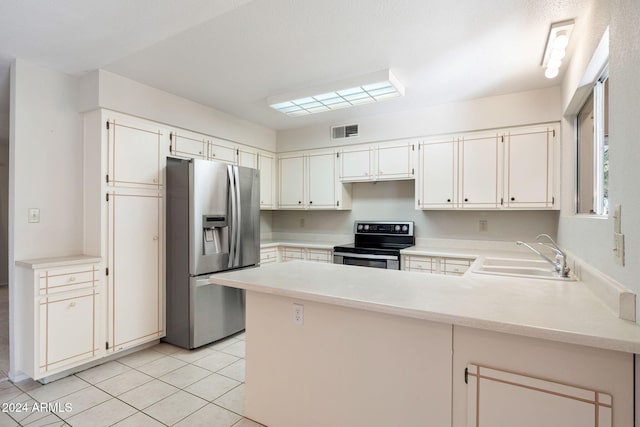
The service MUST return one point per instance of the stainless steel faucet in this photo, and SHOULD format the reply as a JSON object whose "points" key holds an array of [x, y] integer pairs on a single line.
{"points": [[559, 263]]}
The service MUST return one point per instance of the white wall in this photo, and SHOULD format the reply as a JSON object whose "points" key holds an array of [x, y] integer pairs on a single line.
{"points": [[102, 89], [484, 113], [591, 238], [4, 214], [46, 162], [394, 200]]}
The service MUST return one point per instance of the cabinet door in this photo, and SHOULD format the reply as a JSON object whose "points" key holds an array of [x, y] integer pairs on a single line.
{"points": [[291, 182], [529, 168], [222, 151], [395, 161], [266, 165], [135, 268], [480, 174], [321, 179], [190, 147], [68, 323], [356, 165], [438, 173], [247, 157], [500, 398], [134, 154]]}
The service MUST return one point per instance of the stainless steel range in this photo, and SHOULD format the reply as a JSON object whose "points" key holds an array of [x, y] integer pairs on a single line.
{"points": [[377, 244]]}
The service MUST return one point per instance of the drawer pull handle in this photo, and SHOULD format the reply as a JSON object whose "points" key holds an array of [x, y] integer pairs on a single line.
{"points": [[72, 304], [155, 237], [72, 278]]}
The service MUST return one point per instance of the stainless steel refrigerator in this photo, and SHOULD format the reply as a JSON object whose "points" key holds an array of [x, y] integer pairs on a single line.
{"points": [[213, 225]]}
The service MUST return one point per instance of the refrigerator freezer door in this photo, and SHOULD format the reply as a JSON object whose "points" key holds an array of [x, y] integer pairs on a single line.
{"points": [[245, 228], [216, 311]]}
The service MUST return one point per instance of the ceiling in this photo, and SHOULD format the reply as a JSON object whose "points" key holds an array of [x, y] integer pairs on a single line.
{"points": [[233, 54]]}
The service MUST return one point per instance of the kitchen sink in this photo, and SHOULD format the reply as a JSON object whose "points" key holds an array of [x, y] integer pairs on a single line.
{"points": [[517, 267]]}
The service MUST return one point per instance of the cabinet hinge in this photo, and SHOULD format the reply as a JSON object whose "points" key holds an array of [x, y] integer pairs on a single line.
{"points": [[466, 375], [554, 133], [413, 147], [237, 152], [106, 345], [337, 155], [338, 203], [553, 200], [170, 136], [412, 171], [501, 201], [107, 197], [171, 148], [106, 177], [502, 138], [107, 124], [106, 271]]}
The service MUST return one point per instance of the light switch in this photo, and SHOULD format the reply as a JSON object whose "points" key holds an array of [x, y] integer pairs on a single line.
{"points": [[618, 248], [34, 215], [617, 214]]}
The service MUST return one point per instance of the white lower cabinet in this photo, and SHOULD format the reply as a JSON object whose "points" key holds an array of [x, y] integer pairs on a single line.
{"points": [[59, 308], [436, 264], [284, 253], [291, 253], [135, 261], [502, 380]]}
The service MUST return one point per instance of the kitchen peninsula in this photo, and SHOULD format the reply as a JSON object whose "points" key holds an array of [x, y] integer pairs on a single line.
{"points": [[382, 347]]}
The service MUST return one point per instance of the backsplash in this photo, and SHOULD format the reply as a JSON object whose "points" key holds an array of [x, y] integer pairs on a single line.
{"points": [[394, 200]]}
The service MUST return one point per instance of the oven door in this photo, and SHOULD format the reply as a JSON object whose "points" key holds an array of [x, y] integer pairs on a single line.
{"points": [[389, 262]]}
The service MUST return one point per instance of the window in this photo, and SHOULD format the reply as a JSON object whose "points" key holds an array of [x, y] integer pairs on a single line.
{"points": [[592, 123]]}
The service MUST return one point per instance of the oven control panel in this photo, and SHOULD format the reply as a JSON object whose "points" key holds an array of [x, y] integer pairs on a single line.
{"points": [[378, 227]]}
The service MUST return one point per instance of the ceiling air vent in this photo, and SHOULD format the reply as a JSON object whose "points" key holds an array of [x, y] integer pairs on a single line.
{"points": [[348, 131]]}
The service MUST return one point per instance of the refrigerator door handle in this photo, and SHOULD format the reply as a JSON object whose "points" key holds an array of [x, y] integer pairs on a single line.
{"points": [[232, 222], [237, 225]]}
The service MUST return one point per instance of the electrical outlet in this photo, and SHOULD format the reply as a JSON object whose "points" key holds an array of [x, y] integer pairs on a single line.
{"points": [[298, 314], [618, 248], [484, 225], [34, 215]]}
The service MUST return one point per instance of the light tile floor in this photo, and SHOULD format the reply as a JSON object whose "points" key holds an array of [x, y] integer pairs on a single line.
{"points": [[160, 386]]}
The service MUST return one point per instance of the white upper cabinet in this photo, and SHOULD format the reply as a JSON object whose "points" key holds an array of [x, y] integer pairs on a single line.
{"points": [[292, 185], [395, 161], [309, 181], [188, 145], [134, 153], [480, 174], [268, 180], [247, 156], [356, 164], [377, 162], [321, 181], [529, 167], [510, 168], [438, 183], [222, 150]]}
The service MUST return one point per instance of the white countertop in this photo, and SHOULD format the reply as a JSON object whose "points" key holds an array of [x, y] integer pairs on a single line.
{"points": [[59, 261], [299, 243], [548, 309]]}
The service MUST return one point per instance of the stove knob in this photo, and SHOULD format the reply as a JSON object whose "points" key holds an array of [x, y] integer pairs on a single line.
{"points": [[405, 227], [397, 228], [359, 227], [366, 227]]}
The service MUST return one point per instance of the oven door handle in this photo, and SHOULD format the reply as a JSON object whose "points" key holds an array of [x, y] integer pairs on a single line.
{"points": [[364, 256]]}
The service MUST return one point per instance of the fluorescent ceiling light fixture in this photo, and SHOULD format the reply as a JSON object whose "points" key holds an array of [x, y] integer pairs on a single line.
{"points": [[372, 87], [555, 50]]}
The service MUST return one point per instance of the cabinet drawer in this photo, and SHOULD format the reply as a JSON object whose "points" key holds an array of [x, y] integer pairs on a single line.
{"points": [[320, 255], [68, 278], [292, 253], [455, 266], [422, 264], [268, 255]]}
